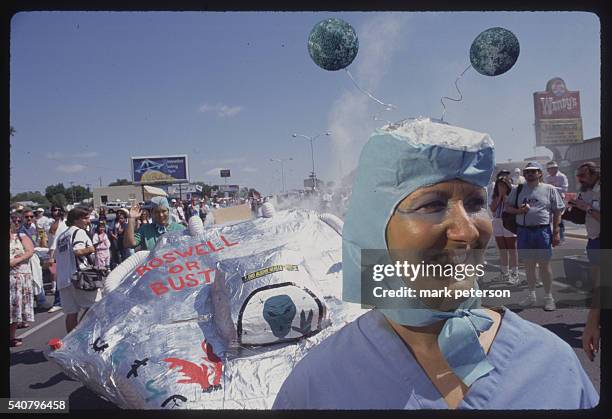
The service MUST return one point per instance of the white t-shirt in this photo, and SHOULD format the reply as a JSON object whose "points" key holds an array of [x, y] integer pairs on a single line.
{"points": [[593, 198], [65, 257], [178, 214], [44, 223], [52, 241]]}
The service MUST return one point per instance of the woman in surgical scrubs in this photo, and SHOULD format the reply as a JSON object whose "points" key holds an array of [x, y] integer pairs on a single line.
{"points": [[420, 187]]}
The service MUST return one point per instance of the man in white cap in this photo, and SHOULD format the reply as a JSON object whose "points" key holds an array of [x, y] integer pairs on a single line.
{"points": [[558, 179], [177, 213], [42, 222], [538, 206]]}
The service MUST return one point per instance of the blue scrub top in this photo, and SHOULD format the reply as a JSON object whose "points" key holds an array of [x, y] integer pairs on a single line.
{"points": [[366, 365]]}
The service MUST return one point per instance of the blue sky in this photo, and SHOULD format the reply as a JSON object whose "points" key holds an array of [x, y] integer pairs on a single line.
{"points": [[91, 89]]}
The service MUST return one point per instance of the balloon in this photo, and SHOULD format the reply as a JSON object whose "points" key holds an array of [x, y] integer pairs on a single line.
{"points": [[333, 44], [494, 51]]}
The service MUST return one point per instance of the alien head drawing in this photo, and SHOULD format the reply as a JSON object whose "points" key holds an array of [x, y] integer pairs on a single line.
{"points": [[279, 312]]}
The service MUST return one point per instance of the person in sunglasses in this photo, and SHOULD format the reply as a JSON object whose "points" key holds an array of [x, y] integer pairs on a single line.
{"points": [[29, 228], [537, 203]]}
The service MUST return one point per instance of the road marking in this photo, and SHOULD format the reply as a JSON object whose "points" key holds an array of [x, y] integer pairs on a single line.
{"points": [[40, 326], [576, 236], [560, 284]]}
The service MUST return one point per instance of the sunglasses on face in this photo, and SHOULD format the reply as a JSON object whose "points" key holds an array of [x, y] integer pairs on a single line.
{"points": [[28, 217], [530, 172]]}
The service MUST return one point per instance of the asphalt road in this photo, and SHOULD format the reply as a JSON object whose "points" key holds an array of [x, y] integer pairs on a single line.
{"points": [[33, 376]]}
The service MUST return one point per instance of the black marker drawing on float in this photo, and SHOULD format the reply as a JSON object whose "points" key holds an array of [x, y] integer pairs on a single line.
{"points": [[99, 345], [137, 364]]}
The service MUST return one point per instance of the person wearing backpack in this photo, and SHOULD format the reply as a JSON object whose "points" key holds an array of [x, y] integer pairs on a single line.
{"points": [[73, 247], [535, 206]]}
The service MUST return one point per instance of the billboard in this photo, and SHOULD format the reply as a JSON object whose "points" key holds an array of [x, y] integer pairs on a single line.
{"points": [[160, 169], [225, 173], [557, 115], [309, 183]]}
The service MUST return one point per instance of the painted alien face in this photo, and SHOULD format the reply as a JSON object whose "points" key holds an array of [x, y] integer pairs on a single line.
{"points": [[279, 312]]}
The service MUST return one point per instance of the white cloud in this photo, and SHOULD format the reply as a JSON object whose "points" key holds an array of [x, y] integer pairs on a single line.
{"points": [[234, 160], [86, 155], [54, 156], [71, 168], [350, 119], [221, 110]]}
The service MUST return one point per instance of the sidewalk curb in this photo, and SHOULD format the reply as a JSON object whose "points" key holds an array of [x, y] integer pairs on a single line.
{"points": [[576, 236]]}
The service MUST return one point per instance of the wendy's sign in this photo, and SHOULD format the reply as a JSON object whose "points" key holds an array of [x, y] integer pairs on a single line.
{"points": [[557, 114]]}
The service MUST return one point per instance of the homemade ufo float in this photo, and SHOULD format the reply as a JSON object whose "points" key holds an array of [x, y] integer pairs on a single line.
{"points": [[215, 317]]}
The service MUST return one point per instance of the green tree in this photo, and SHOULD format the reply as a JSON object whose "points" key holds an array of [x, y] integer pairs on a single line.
{"points": [[59, 199], [53, 190], [31, 196], [120, 182], [77, 193]]}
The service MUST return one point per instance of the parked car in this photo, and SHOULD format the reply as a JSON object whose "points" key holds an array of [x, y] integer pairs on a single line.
{"points": [[111, 206]]}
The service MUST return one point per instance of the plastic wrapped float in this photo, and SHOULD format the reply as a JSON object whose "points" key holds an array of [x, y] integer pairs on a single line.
{"points": [[215, 318]]}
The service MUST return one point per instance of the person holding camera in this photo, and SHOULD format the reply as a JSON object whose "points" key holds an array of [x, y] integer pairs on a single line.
{"points": [[535, 240]]}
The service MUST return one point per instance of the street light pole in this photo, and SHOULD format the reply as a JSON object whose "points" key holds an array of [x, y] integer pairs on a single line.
{"points": [[311, 139], [72, 188], [282, 161]]}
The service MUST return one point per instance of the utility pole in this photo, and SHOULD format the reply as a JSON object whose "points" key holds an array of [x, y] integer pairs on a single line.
{"points": [[72, 189]]}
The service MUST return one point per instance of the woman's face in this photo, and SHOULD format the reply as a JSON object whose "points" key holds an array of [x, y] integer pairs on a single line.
{"points": [[161, 215], [441, 224], [502, 188]]}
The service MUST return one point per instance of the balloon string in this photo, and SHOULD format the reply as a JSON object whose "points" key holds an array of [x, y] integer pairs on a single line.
{"points": [[388, 106], [458, 91]]}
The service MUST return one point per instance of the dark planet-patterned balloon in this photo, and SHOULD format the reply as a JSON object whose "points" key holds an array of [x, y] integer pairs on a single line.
{"points": [[494, 51], [333, 44]]}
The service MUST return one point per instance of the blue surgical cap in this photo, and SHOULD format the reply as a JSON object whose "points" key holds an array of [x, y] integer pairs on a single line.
{"points": [[160, 201], [397, 160]]}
